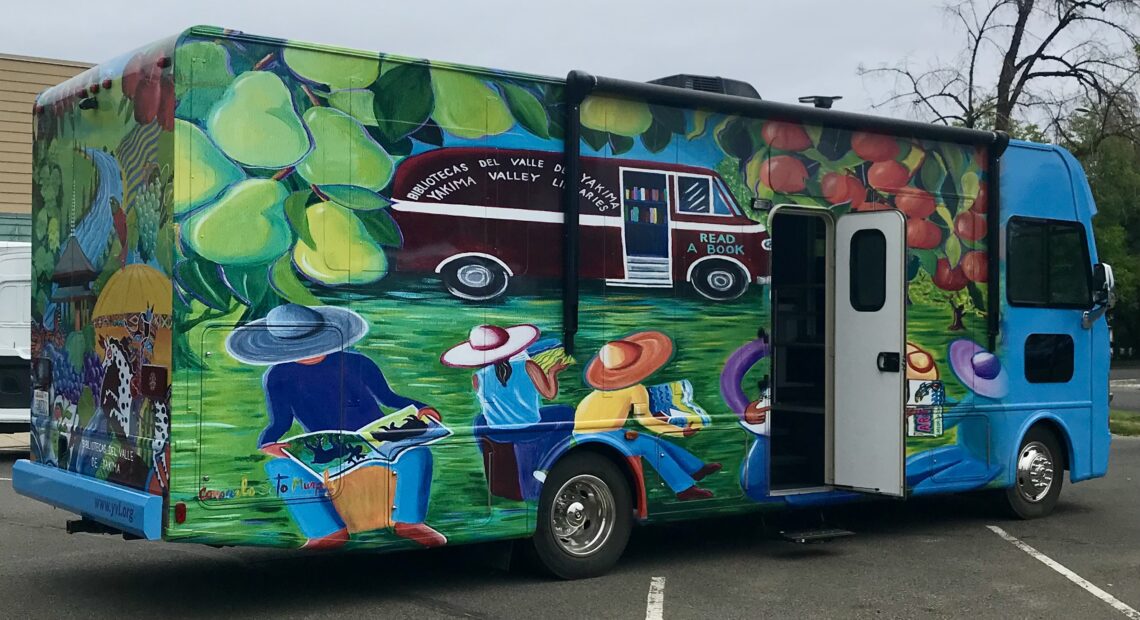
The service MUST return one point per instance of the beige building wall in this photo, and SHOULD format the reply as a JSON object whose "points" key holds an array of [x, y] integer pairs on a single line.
{"points": [[21, 79]]}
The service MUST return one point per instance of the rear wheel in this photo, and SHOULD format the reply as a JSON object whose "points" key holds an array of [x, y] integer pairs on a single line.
{"points": [[584, 517], [475, 277], [1040, 472], [719, 280]]}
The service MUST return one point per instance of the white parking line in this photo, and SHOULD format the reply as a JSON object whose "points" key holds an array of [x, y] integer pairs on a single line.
{"points": [[655, 603], [8, 479], [1068, 574]]}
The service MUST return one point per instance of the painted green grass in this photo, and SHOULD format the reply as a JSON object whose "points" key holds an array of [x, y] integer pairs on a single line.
{"points": [[410, 328], [1124, 422]]}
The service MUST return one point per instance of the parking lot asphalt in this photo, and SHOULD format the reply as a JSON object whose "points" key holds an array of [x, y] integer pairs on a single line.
{"points": [[921, 558]]}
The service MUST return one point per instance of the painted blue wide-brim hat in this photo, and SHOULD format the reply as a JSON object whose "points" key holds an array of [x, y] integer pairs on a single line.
{"points": [[292, 332]]}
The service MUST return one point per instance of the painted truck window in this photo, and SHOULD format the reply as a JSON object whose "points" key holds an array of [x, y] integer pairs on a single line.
{"points": [[694, 195], [868, 270], [1048, 264]]}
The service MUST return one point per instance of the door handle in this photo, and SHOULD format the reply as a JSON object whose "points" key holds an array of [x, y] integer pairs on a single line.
{"points": [[888, 361]]}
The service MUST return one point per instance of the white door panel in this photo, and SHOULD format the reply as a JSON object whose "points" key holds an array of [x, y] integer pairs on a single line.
{"points": [[869, 377]]}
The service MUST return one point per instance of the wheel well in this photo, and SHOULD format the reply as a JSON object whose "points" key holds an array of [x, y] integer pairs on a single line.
{"points": [[619, 460], [1058, 433]]}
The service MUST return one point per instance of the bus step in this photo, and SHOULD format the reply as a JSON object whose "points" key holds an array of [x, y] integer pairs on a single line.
{"points": [[814, 536]]}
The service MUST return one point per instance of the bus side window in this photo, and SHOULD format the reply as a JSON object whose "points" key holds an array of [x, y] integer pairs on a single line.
{"points": [[1048, 264], [1048, 358], [694, 194]]}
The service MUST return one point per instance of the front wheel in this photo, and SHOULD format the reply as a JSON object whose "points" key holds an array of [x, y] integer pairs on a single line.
{"points": [[1039, 475], [475, 278], [584, 517], [719, 280]]}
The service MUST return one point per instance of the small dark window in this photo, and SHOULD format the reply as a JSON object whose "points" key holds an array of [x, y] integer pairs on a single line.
{"points": [[694, 195], [1049, 358], [1047, 264], [15, 384], [868, 270]]}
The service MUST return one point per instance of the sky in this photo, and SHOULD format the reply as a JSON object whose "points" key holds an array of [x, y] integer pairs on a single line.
{"points": [[785, 48]]}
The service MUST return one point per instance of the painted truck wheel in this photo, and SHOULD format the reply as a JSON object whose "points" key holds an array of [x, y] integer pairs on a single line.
{"points": [[1039, 472], [475, 278], [719, 280], [585, 514]]}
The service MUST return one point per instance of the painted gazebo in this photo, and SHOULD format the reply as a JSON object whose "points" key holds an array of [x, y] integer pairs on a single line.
{"points": [[73, 276]]}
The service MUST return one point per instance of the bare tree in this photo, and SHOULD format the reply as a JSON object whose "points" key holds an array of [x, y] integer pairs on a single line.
{"points": [[1027, 62]]}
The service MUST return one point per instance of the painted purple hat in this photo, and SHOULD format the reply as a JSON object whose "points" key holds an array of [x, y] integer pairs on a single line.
{"points": [[980, 370]]}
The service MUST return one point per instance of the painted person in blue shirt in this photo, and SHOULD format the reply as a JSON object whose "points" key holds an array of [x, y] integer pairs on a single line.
{"points": [[313, 381]]}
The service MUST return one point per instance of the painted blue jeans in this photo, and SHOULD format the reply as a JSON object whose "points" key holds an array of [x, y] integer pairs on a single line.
{"points": [[675, 464], [316, 516]]}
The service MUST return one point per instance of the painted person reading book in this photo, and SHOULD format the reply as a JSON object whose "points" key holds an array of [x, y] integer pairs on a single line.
{"points": [[616, 374], [314, 380], [511, 385]]}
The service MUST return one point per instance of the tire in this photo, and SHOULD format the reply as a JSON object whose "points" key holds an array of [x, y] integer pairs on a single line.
{"points": [[475, 278], [719, 280], [1039, 457], [603, 524]]}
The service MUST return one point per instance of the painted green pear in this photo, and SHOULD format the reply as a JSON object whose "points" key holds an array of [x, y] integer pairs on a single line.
{"points": [[336, 70], [210, 170], [201, 75], [343, 153], [254, 122], [466, 106], [356, 102], [246, 226], [620, 116], [345, 252]]}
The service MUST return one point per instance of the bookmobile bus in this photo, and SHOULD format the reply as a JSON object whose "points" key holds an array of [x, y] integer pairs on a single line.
{"points": [[296, 296]]}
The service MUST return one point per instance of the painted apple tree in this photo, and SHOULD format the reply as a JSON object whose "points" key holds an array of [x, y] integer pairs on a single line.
{"points": [[939, 186]]}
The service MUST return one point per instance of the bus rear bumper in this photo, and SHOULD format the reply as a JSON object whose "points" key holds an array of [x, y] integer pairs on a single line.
{"points": [[129, 510]]}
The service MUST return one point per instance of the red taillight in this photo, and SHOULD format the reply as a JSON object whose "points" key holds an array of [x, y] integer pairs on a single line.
{"points": [[180, 513]]}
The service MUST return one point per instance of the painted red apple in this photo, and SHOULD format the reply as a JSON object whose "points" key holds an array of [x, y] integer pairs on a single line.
{"points": [[874, 146], [915, 203], [888, 176], [975, 265], [785, 136], [922, 234], [840, 188], [970, 226], [784, 174], [949, 279], [872, 206]]}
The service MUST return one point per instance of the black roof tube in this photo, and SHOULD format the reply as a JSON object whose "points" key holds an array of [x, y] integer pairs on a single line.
{"points": [[993, 231], [681, 97], [578, 86]]}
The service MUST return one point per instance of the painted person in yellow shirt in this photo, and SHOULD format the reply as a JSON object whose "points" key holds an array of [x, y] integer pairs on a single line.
{"points": [[616, 373]]}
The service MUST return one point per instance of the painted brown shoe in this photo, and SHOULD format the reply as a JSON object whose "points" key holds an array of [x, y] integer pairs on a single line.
{"points": [[694, 492], [421, 533], [708, 469], [331, 541]]}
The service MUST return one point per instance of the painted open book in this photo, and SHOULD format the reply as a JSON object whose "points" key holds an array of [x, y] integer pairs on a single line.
{"points": [[381, 441]]}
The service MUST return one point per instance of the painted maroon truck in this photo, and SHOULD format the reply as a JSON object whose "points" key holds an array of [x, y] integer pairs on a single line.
{"points": [[492, 214]]}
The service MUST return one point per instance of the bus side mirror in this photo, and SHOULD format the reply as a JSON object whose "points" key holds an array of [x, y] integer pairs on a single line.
{"points": [[1104, 294], [1104, 285]]}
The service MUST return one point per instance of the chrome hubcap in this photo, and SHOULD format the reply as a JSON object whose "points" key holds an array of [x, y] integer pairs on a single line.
{"points": [[720, 280], [582, 517], [1034, 472], [475, 276]]}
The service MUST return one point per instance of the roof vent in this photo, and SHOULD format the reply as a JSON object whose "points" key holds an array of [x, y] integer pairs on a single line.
{"points": [[709, 83]]}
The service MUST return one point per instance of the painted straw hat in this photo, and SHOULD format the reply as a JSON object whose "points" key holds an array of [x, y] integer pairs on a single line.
{"points": [[488, 344], [978, 369], [292, 332], [628, 361]]}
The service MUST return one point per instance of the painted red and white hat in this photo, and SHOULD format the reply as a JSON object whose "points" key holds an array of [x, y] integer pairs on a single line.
{"points": [[488, 344]]}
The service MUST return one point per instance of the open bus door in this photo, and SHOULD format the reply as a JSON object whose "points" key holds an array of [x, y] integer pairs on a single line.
{"points": [[870, 338]]}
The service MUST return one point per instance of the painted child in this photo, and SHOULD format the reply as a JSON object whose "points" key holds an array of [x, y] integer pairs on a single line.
{"points": [[312, 379], [616, 374]]}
